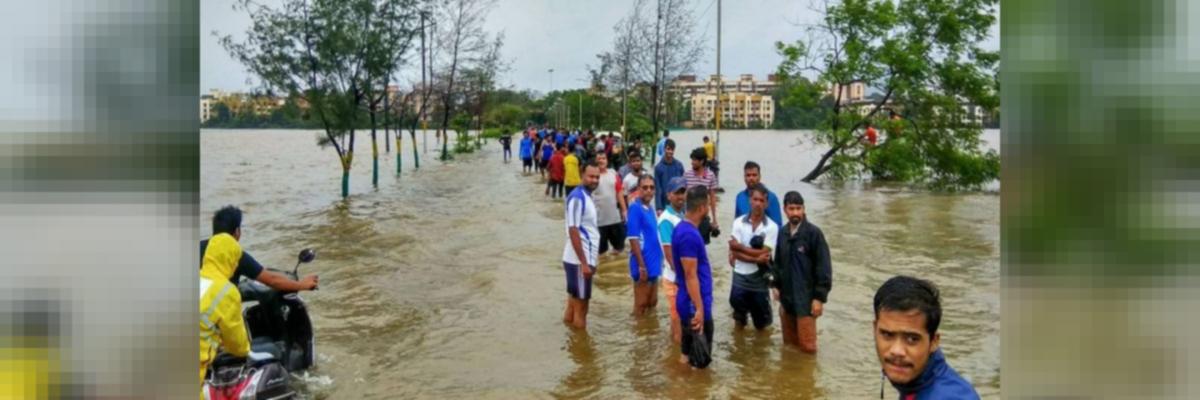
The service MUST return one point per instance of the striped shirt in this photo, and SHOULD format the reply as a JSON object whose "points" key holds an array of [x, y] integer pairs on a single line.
{"points": [[707, 179], [581, 214]]}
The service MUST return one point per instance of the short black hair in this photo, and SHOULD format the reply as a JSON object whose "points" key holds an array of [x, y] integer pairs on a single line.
{"points": [[670, 144], [666, 133], [592, 164], [635, 156], [697, 196], [706, 138], [793, 197], [905, 293], [227, 220], [761, 188], [751, 165], [699, 154]]}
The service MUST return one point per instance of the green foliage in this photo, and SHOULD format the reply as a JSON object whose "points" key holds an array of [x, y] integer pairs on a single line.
{"points": [[924, 56]]}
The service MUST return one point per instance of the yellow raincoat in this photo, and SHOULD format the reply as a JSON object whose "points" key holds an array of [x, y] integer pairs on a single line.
{"points": [[221, 324]]}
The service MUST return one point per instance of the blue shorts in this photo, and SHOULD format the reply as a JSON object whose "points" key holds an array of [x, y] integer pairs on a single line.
{"points": [[578, 286]]}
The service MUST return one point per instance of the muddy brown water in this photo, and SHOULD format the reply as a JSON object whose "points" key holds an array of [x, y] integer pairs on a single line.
{"points": [[447, 282]]}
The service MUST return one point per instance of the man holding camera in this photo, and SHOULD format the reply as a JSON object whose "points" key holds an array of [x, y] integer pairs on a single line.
{"points": [[750, 248], [700, 175]]}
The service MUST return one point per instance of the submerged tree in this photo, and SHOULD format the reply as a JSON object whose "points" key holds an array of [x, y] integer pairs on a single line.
{"points": [[925, 57], [328, 53]]}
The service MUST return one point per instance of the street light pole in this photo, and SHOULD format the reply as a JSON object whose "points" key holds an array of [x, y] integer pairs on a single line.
{"points": [[720, 85]]}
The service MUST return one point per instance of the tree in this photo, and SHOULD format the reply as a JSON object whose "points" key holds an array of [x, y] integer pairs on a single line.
{"points": [[925, 57], [461, 36], [322, 51], [672, 49], [799, 103]]}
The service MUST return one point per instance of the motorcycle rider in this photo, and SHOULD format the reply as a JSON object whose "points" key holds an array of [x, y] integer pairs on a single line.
{"points": [[228, 220], [221, 324]]}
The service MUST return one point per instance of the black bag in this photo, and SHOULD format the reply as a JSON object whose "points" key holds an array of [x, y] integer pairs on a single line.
{"points": [[698, 354]]}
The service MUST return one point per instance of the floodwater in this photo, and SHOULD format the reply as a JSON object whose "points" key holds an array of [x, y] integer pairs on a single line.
{"points": [[447, 282]]}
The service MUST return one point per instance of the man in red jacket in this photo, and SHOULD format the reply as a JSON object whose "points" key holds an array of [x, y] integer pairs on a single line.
{"points": [[557, 172]]}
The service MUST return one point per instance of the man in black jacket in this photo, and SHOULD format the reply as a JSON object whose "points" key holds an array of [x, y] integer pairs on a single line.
{"points": [[803, 275]]}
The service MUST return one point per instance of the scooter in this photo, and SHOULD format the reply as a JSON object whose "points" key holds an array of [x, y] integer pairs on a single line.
{"points": [[281, 342]]}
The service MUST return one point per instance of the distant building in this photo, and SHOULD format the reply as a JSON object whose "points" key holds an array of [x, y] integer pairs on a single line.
{"points": [[206, 108], [737, 109], [854, 92], [687, 85]]}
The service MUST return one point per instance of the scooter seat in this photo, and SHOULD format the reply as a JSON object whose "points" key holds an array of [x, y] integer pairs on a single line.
{"points": [[264, 347]]}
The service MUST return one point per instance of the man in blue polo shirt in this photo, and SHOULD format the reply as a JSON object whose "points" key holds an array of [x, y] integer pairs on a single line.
{"points": [[692, 269], [645, 252], [526, 152], [753, 176]]}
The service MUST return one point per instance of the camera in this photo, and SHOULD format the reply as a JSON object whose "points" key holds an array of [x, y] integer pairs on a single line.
{"points": [[757, 243]]}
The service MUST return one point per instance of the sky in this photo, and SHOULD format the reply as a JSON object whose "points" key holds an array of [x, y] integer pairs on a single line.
{"points": [[566, 35]]}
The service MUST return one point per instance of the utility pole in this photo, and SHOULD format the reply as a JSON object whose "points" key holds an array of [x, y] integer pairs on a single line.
{"points": [[720, 86]]}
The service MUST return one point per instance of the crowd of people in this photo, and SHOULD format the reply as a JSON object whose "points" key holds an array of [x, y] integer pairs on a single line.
{"points": [[668, 215]]}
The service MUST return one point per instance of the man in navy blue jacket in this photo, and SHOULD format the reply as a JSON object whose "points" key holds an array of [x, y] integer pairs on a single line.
{"points": [[907, 314]]}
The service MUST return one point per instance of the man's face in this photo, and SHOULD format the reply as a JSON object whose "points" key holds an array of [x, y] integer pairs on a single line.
{"points": [[677, 199], [635, 164], [668, 152], [795, 213], [591, 178], [903, 344], [602, 160], [758, 203], [697, 164], [752, 177], [647, 190]]}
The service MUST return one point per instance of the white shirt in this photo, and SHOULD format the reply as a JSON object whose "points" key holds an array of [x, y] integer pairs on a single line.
{"points": [[630, 183], [581, 213], [608, 212], [743, 232], [668, 216]]}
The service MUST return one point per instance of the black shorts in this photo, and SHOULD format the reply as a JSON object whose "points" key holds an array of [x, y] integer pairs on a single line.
{"points": [[755, 303], [686, 343], [612, 236], [527, 162], [544, 163]]}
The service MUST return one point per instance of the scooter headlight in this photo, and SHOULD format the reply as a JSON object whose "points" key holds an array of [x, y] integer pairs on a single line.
{"points": [[250, 392]]}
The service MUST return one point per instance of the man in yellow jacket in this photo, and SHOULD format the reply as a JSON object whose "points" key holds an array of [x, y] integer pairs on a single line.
{"points": [[221, 324]]}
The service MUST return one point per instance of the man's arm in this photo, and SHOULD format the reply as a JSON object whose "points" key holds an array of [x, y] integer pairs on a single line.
{"points": [[234, 338], [632, 232], [577, 245], [282, 283], [712, 202], [693, 290], [824, 281]]}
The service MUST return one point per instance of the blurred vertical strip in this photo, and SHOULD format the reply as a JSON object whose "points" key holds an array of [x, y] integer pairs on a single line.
{"points": [[99, 178], [1101, 199]]}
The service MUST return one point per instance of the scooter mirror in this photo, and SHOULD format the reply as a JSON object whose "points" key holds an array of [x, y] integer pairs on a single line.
{"points": [[307, 255]]}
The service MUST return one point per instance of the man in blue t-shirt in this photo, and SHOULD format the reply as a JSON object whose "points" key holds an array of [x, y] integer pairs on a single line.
{"points": [[666, 169], [645, 251], [527, 152], [694, 273], [753, 176]]}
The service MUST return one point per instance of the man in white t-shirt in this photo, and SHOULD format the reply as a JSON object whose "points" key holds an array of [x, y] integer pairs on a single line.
{"points": [[630, 173], [671, 215], [750, 252], [610, 208], [580, 252]]}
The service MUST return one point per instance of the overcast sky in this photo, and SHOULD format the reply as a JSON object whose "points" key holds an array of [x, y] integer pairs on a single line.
{"points": [[566, 35]]}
